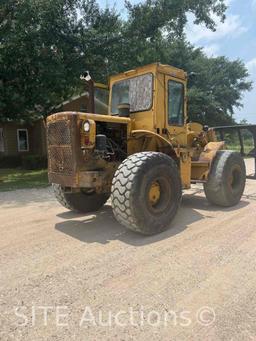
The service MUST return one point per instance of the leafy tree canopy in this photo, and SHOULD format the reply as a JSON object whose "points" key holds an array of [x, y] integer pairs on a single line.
{"points": [[150, 16], [38, 55], [46, 44]]}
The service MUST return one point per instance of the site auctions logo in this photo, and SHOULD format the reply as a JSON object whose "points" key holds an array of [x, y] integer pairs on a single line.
{"points": [[61, 315]]}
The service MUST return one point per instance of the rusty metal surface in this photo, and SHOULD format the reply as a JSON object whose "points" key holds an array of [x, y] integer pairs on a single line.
{"points": [[61, 160], [60, 147], [58, 133], [87, 116], [69, 165], [201, 167], [210, 151], [63, 151]]}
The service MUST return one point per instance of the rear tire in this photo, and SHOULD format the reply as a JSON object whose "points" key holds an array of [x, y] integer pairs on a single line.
{"points": [[146, 192], [227, 178], [80, 202]]}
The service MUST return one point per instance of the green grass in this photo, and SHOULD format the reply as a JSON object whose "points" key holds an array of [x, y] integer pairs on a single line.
{"points": [[237, 148], [11, 179]]}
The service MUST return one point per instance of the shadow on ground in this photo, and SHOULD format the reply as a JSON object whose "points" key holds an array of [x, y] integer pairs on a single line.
{"points": [[103, 227]]}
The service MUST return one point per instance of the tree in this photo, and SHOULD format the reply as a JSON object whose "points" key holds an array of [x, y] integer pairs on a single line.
{"points": [[45, 45], [38, 56], [217, 89], [42, 53], [151, 16]]}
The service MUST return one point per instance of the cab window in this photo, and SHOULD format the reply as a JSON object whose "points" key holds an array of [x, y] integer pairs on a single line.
{"points": [[175, 103], [136, 91]]}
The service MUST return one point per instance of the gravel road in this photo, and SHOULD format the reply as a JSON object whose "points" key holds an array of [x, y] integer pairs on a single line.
{"points": [[65, 276]]}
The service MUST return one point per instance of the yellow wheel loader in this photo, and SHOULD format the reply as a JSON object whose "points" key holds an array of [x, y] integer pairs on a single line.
{"points": [[142, 154]]}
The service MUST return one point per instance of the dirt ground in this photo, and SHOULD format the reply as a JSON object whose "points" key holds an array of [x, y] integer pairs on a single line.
{"points": [[65, 276]]}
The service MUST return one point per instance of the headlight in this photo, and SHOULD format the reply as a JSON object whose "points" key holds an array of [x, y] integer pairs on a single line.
{"points": [[87, 127]]}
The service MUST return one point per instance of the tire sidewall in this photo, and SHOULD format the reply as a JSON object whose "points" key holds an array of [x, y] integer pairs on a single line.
{"points": [[218, 189], [233, 196], [154, 169], [80, 202]]}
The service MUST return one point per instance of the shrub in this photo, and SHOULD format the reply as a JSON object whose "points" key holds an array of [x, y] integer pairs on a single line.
{"points": [[31, 162], [10, 161]]}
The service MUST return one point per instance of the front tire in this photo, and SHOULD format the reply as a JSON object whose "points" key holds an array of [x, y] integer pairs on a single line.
{"points": [[227, 178], [80, 202], [146, 192]]}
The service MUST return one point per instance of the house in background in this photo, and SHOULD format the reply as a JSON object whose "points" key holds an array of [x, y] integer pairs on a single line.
{"points": [[81, 102], [22, 139], [17, 140]]}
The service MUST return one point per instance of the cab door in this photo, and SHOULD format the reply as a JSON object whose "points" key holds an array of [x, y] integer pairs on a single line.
{"points": [[176, 117], [175, 95]]}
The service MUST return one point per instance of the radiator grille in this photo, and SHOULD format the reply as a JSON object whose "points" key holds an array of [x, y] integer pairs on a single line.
{"points": [[60, 148], [59, 133], [60, 160]]}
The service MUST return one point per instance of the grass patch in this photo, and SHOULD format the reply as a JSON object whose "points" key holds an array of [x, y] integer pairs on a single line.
{"points": [[12, 179], [247, 148]]}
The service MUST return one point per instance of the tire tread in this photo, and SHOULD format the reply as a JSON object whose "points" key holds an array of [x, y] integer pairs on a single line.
{"points": [[122, 187]]}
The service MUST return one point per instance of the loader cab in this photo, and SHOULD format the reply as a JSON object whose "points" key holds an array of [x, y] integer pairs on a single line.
{"points": [[154, 97]]}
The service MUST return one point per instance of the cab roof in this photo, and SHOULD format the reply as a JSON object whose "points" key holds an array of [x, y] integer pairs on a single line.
{"points": [[154, 68]]}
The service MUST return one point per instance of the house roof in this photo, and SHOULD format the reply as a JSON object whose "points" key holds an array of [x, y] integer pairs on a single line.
{"points": [[83, 94], [73, 98]]}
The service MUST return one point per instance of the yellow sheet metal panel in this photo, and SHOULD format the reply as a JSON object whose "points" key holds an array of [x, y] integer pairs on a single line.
{"points": [[185, 169]]}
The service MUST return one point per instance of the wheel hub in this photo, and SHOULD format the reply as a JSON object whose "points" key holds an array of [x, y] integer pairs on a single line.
{"points": [[154, 193]]}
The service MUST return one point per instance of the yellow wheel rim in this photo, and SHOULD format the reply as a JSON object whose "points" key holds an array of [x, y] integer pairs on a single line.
{"points": [[154, 193]]}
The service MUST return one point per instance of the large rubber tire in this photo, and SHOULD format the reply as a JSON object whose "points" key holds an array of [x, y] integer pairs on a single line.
{"points": [[227, 178], [131, 187], [79, 202]]}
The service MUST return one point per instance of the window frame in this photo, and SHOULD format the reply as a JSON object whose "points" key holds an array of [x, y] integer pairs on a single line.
{"points": [[120, 81], [18, 140], [168, 103]]}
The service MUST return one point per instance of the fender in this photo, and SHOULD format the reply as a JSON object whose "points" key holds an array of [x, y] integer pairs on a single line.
{"points": [[145, 140], [200, 169], [210, 151]]}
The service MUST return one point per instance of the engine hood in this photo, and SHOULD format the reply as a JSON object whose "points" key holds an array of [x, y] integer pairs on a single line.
{"points": [[85, 116]]}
